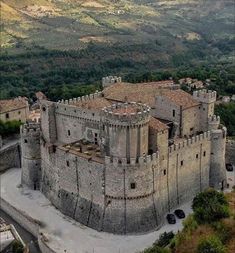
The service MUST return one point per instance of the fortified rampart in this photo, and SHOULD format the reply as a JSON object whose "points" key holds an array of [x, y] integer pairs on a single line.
{"points": [[100, 166], [112, 195]]}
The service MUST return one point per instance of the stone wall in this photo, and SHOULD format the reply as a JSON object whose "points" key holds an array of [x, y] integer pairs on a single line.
{"points": [[167, 110], [122, 197], [230, 152], [31, 225], [10, 157], [27, 222], [218, 172], [188, 168], [190, 121]]}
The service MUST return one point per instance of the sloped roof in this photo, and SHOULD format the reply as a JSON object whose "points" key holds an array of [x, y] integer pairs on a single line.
{"points": [[157, 124], [13, 104], [140, 92], [180, 97]]}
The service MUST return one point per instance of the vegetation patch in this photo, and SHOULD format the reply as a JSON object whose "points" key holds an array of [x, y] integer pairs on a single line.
{"points": [[202, 233]]}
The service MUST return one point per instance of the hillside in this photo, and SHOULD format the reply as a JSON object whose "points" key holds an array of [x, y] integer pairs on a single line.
{"points": [[48, 22], [57, 45]]}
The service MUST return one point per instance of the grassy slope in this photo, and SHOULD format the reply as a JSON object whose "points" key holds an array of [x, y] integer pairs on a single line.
{"points": [[189, 241]]}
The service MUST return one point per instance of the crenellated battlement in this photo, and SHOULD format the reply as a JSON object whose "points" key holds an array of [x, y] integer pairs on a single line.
{"points": [[30, 129], [213, 122], [73, 101], [108, 80], [133, 161], [214, 119], [205, 96], [188, 142], [127, 114]]}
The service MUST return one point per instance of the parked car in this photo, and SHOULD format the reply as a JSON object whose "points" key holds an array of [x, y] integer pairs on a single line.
{"points": [[171, 218], [229, 167], [179, 213]]}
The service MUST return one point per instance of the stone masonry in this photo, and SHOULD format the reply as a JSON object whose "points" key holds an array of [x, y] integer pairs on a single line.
{"points": [[119, 166]]}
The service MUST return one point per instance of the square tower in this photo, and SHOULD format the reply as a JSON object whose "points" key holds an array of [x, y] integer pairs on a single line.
{"points": [[206, 109]]}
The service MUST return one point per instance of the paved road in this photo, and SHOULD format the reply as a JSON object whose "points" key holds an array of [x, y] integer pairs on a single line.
{"points": [[29, 239]]}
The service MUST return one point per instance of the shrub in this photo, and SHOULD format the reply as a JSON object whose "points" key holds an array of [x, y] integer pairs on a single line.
{"points": [[223, 231], [156, 249], [164, 239], [190, 224], [211, 244], [9, 127], [17, 247], [210, 206]]}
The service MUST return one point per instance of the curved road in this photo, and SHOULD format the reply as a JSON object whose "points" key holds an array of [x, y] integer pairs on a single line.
{"points": [[28, 238]]}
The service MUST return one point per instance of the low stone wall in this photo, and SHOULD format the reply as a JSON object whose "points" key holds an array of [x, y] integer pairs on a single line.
{"points": [[27, 223], [10, 157], [43, 246], [230, 151]]}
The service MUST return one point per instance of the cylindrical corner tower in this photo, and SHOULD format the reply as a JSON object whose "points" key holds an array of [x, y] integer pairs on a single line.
{"points": [[31, 156], [217, 168], [125, 129]]}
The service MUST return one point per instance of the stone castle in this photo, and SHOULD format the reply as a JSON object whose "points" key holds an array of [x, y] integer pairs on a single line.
{"points": [[120, 159]]}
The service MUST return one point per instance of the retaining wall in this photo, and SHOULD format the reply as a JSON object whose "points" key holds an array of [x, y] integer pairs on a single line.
{"points": [[28, 223], [10, 157]]}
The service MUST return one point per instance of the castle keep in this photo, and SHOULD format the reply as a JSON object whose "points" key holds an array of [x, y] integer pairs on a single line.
{"points": [[120, 159]]}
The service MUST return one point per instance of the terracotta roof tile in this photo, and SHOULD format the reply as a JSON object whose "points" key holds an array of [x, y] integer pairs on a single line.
{"points": [[180, 98], [140, 92], [157, 124], [13, 104]]}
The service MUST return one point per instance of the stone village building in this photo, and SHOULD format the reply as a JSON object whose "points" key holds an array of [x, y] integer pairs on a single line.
{"points": [[120, 159], [14, 109]]}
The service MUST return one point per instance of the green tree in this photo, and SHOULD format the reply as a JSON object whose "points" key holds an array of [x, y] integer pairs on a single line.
{"points": [[210, 206], [211, 244]]}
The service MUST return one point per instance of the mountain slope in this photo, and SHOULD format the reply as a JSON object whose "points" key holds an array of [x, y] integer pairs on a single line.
{"points": [[47, 23]]}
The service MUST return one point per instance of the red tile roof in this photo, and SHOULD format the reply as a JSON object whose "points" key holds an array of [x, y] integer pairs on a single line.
{"points": [[180, 98], [157, 124], [13, 104], [140, 92]]}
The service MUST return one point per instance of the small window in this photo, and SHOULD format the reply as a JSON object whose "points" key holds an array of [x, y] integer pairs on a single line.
{"points": [[44, 108], [133, 185], [69, 133], [67, 163], [182, 163], [25, 141], [96, 134], [93, 114], [204, 153], [7, 116], [164, 172], [197, 156], [191, 129], [204, 109], [173, 113], [19, 112]]}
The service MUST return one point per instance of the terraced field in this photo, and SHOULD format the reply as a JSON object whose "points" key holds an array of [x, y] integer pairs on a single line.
{"points": [[71, 24]]}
